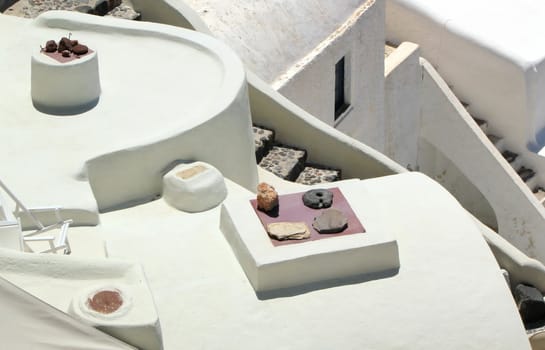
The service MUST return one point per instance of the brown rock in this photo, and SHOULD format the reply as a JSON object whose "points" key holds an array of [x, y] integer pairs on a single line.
{"points": [[66, 53], [106, 301], [288, 230], [330, 221], [65, 44], [50, 46], [80, 49], [267, 198]]}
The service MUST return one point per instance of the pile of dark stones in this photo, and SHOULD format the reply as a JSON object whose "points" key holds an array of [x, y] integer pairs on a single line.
{"points": [[66, 47]]}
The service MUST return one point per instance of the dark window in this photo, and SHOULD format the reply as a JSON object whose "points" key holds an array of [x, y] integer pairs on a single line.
{"points": [[340, 99]]}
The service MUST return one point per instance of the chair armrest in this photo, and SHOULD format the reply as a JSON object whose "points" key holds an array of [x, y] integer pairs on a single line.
{"points": [[56, 209], [39, 239], [44, 209], [9, 223], [63, 235]]}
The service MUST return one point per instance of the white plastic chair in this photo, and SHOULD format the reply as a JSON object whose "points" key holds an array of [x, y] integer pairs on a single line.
{"points": [[56, 243]]}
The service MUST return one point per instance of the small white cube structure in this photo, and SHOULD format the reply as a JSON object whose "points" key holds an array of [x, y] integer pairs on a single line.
{"points": [[63, 88], [194, 187]]}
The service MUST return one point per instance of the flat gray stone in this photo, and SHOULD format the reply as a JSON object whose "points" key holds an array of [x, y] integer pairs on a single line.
{"points": [[318, 198], [330, 221]]}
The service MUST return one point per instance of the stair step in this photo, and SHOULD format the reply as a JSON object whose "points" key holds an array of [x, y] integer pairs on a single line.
{"points": [[315, 174], [526, 173], [483, 124], [496, 140], [540, 194], [263, 141], [509, 156], [285, 162]]}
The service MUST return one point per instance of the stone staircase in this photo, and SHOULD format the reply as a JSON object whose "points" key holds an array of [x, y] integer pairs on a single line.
{"points": [[526, 173], [287, 162], [33, 8]]}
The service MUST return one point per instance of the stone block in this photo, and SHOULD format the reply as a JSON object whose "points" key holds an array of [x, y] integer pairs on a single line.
{"points": [[285, 162], [530, 303]]}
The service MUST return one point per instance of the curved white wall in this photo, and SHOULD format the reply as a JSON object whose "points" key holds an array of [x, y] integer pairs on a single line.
{"points": [[135, 175], [194, 108]]}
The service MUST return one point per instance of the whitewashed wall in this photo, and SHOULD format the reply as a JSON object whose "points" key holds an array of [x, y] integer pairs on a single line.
{"points": [[361, 41], [403, 77], [449, 129]]}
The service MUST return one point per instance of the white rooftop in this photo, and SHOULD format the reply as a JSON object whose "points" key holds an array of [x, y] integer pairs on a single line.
{"points": [[272, 36], [448, 285], [448, 292]]}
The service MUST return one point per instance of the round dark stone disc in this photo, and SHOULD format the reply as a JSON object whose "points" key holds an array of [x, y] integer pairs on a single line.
{"points": [[318, 199]]}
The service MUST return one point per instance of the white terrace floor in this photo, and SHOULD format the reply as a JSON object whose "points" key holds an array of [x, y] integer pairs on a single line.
{"points": [[448, 293]]}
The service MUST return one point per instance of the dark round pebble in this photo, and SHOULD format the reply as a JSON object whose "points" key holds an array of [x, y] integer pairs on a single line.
{"points": [[64, 44], [50, 46], [80, 49]]}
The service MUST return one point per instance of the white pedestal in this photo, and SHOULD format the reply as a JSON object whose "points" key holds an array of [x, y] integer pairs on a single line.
{"points": [[271, 268], [64, 88]]}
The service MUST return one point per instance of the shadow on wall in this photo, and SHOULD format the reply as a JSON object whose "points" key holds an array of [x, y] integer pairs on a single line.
{"points": [[436, 165], [310, 287]]}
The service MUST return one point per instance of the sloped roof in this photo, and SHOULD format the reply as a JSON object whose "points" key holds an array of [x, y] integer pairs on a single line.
{"points": [[271, 36]]}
